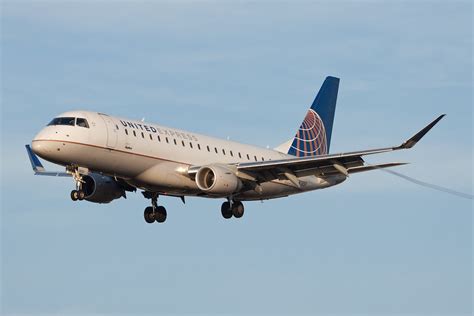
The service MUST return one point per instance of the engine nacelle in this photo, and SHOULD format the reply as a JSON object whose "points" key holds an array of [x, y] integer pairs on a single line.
{"points": [[217, 180], [101, 189]]}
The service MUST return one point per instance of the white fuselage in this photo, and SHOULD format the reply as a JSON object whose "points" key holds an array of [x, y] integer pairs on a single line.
{"points": [[156, 158]]}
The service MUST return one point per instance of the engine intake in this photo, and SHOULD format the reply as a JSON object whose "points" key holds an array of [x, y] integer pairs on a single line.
{"points": [[101, 189], [217, 180]]}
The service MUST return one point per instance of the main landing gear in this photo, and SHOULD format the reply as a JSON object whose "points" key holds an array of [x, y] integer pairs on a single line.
{"points": [[154, 213], [232, 208]]}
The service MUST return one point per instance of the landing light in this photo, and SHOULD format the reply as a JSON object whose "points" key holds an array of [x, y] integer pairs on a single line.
{"points": [[181, 169]]}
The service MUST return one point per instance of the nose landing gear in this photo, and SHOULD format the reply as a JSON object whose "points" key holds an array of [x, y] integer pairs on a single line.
{"points": [[78, 194]]}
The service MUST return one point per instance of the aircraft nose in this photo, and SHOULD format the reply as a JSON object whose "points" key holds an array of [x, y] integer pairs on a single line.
{"points": [[40, 147]]}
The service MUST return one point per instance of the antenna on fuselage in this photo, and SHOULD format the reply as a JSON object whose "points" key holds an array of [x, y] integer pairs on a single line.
{"points": [[142, 120]]}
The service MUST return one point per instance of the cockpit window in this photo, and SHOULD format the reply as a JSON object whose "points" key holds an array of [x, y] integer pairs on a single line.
{"points": [[62, 121], [82, 122]]}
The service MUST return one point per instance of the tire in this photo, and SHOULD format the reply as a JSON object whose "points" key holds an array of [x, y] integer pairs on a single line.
{"points": [[160, 214], [238, 210], [74, 195], [149, 215], [81, 195], [226, 211]]}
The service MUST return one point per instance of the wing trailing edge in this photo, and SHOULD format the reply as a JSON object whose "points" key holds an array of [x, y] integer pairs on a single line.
{"points": [[374, 167]]}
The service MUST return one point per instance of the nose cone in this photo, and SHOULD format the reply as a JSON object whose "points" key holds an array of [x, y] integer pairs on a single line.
{"points": [[41, 148]]}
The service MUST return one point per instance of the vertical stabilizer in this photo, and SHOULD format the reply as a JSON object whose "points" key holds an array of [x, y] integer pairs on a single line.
{"points": [[314, 135]]}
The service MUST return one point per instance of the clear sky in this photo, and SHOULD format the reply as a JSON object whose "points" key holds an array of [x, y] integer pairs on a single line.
{"points": [[374, 245]]}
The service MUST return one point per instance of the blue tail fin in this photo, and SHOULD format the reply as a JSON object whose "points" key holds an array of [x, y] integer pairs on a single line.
{"points": [[314, 135]]}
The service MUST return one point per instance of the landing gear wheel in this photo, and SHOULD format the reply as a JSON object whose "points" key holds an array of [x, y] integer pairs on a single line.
{"points": [[80, 195], [160, 214], [74, 195], [149, 215], [238, 209], [226, 210]]}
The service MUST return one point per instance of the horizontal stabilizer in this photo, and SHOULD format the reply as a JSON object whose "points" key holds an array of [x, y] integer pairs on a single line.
{"points": [[38, 167], [35, 162]]}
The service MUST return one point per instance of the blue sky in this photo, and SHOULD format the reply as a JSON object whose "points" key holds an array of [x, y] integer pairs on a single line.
{"points": [[245, 70]]}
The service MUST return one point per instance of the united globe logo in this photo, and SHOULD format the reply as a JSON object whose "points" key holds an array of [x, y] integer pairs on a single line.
{"points": [[310, 140]]}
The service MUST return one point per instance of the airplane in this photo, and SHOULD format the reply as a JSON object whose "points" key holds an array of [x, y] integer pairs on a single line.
{"points": [[108, 156]]}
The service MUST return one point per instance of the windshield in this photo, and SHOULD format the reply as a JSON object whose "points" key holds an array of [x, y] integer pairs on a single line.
{"points": [[82, 122], [62, 121]]}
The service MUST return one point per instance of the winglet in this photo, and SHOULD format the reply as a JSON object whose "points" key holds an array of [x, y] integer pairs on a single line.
{"points": [[412, 141], [35, 162]]}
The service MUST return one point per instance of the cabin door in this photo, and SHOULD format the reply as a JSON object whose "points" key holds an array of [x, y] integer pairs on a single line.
{"points": [[112, 131]]}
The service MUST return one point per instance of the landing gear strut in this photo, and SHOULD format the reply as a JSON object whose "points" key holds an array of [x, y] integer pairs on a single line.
{"points": [[154, 213], [232, 208], [77, 194]]}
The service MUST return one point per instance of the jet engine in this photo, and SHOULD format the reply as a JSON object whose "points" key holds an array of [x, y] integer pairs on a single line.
{"points": [[101, 189], [217, 180]]}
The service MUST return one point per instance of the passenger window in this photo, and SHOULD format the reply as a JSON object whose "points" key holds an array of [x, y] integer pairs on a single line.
{"points": [[159, 139], [263, 159], [182, 142], [126, 131], [208, 149], [151, 137], [199, 146], [248, 157], [232, 154], [215, 149], [167, 140], [190, 144], [134, 134], [223, 151], [143, 135], [240, 156], [62, 121], [255, 158], [174, 140]]}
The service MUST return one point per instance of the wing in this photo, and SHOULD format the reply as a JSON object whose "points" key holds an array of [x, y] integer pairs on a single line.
{"points": [[38, 167], [293, 168]]}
